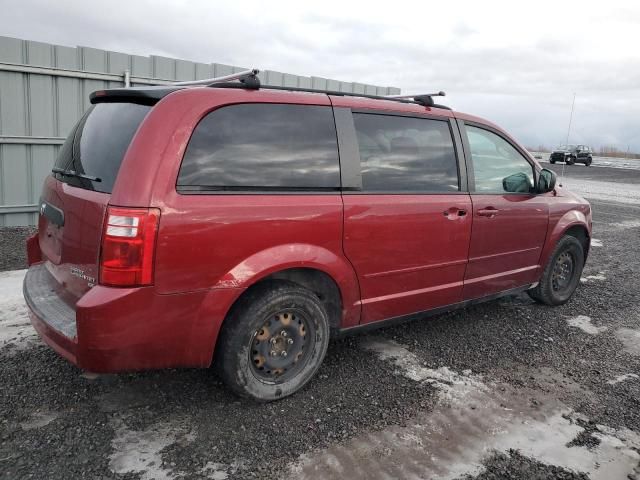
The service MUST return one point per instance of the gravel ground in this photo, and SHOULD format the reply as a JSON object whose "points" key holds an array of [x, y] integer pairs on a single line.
{"points": [[507, 389], [13, 250]]}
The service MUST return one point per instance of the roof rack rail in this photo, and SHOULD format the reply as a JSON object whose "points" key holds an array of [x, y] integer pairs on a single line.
{"points": [[249, 77]]}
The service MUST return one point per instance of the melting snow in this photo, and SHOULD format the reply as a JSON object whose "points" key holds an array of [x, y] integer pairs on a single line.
{"points": [[454, 438], [591, 278], [141, 452], [584, 323], [623, 378], [630, 338], [16, 331]]}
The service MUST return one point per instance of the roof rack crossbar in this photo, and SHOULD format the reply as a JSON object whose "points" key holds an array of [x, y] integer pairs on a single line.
{"points": [[439, 94], [393, 98], [243, 75]]}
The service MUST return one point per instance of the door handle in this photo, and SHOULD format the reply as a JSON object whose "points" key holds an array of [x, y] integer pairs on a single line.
{"points": [[454, 212], [488, 212]]}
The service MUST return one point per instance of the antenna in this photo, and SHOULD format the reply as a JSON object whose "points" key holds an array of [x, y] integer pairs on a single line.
{"points": [[568, 132]]}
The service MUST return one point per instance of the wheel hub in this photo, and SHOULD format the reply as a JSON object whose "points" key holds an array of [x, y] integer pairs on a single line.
{"points": [[562, 271], [279, 347]]}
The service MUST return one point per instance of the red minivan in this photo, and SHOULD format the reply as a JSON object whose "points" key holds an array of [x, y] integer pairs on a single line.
{"points": [[243, 225]]}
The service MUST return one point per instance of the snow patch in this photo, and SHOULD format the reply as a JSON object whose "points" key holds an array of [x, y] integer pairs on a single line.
{"points": [[629, 224], [452, 386], [584, 323], [16, 332], [596, 243], [140, 452], [592, 278], [630, 338], [623, 378], [39, 420]]}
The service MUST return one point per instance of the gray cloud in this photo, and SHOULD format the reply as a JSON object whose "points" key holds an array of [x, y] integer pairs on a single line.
{"points": [[519, 70]]}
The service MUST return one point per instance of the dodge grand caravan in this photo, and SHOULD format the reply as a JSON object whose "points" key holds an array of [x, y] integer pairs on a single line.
{"points": [[242, 226]]}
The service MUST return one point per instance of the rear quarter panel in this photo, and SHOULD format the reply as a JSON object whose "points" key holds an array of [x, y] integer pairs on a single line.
{"points": [[228, 240]]}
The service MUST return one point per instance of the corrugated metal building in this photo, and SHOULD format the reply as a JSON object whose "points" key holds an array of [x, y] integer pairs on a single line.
{"points": [[44, 89]]}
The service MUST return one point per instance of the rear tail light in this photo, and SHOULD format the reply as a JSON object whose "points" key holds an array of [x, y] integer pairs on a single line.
{"points": [[128, 246]]}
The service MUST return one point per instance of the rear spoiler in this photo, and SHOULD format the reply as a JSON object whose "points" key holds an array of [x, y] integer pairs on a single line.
{"points": [[143, 96]]}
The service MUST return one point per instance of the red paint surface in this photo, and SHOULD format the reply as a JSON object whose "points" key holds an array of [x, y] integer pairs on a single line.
{"points": [[389, 255]]}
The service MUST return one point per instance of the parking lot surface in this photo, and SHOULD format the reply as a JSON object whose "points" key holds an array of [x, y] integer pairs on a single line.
{"points": [[507, 389]]}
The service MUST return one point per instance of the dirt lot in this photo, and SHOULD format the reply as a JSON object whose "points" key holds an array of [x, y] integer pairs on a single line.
{"points": [[508, 389]]}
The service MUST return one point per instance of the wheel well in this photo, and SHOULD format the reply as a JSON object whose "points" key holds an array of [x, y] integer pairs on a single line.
{"points": [[580, 233], [317, 281]]}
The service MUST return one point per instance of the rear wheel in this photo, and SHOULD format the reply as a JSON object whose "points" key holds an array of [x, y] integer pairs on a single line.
{"points": [[552, 161], [570, 161], [588, 161], [562, 273], [273, 342]]}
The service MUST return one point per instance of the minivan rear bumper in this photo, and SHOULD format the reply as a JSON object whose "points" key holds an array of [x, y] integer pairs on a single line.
{"points": [[124, 329]]}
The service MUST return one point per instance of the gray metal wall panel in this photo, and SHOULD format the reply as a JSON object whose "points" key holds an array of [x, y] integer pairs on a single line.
{"points": [[93, 59], [41, 111], [163, 67], [118, 62], [304, 82], [141, 66], [66, 57], [15, 181], [12, 50], [220, 69], [48, 105], [203, 70], [13, 118], [185, 70], [40, 54]]}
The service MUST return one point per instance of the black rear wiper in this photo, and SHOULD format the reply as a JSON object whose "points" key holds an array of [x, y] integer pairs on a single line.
{"points": [[73, 173]]}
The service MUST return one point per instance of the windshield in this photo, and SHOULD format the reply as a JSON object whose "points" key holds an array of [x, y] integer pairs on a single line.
{"points": [[97, 144], [566, 147]]}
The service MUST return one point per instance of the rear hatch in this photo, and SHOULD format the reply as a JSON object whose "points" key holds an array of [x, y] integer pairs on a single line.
{"points": [[75, 197]]}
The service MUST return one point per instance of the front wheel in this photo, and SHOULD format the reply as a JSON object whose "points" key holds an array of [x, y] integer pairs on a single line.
{"points": [[561, 275], [273, 342], [570, 161], [588, 162]]}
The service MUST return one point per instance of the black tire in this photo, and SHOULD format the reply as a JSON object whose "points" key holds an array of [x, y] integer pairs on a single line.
{"points": [[556, 285], [588, 162], [570, 161], [552, 161], [256, 328]]}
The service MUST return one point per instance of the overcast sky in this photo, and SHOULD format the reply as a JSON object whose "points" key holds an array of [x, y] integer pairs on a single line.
{"points": [[515, 63]]}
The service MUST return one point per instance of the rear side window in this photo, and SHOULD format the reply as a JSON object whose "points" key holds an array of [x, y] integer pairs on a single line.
{"points": [[406, 154], [263, 147], [97, 144]]}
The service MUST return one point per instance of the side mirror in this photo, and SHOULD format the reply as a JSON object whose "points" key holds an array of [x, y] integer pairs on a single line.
{"points": [[517, 183], [546, 181]]}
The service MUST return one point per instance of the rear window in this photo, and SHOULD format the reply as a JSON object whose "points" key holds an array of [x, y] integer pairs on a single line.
{"points": [[406, 154], [263, 147], [97, 144]]}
